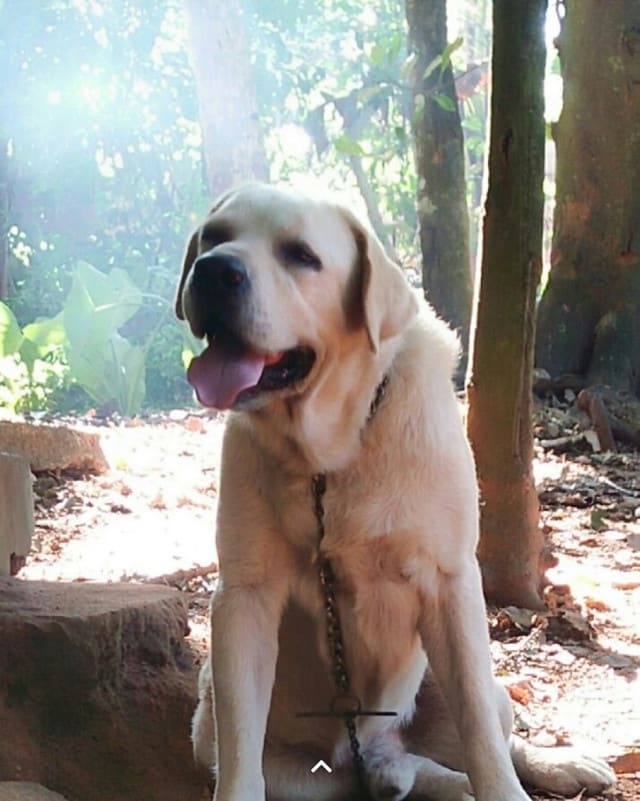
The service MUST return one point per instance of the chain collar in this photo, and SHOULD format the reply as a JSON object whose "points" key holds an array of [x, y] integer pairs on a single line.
{"points": [[345, 704], [377, 398]]}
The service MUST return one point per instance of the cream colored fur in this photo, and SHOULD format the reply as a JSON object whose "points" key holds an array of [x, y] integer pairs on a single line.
{"points": [[401, 512]]}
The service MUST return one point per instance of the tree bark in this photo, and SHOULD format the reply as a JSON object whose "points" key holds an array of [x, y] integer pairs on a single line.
{"points": [[219, 55], [500, 381], [5, 116], [4, 217], [589, 317], [442, 205]]}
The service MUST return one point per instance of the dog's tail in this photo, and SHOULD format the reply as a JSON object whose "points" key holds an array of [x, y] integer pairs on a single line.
{"points": [[203, 729]]}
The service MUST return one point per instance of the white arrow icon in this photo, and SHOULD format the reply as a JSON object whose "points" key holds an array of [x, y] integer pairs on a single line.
{"points": [[321, 764]]}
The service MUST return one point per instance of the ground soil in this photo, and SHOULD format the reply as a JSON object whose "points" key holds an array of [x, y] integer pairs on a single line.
{"points": [[573, 672]]}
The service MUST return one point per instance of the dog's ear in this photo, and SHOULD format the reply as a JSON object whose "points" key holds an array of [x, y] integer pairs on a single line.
{"points": [[388, 303], [191, 253], [189, 257]]}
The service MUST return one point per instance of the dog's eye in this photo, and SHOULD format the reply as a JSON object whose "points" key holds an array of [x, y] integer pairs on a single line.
{"points": [[298, 254]]}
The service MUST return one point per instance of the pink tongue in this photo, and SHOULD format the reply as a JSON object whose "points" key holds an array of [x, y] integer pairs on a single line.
{"points": [[219, 374]]}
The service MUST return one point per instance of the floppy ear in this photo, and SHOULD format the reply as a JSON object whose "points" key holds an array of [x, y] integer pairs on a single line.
{"points": [[192, 253], [387, 300], [189, 257]]}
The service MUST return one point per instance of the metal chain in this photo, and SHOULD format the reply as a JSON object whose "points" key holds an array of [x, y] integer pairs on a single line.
{"points": [[335, 638], [344, 705]]}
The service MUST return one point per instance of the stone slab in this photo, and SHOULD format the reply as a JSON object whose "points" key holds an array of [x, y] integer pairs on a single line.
{"points": [[97, 689], [16, 512], [27, 791], [53, 447]]}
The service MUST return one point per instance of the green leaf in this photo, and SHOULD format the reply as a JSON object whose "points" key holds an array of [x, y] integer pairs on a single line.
{"points": [[401, 133], [473, 124], [10, 333], [128, 374], [98, 304], [431, 67], [445, 102], [449, 51], [46, 331], [116, 374], [348, 147], [368, 93], [408, 67], [378, 54], [29, 353]]}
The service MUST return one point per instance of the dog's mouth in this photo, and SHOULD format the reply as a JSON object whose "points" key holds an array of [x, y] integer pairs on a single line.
{"points": [[227, 372]]}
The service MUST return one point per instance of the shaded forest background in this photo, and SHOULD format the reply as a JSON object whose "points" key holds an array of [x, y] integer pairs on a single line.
{"points": [[118, 123]]}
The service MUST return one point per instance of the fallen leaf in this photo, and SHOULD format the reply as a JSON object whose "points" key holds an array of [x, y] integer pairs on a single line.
{"points": [[626, 763], [520, 692], [570, 625], [631, 584], [521, 617], [193, 423], [597, 519], [597, 604]]}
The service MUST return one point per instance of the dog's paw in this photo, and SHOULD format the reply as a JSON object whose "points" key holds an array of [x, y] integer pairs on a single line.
{"points": [[573, 772], [390, 779], [566, 771]]}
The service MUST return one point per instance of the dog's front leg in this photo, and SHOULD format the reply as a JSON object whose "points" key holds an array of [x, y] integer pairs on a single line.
{"points": [[244, 648], [454, 632]]}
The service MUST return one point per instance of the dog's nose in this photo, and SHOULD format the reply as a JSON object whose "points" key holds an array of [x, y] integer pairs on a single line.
{"points": [[219, 273]]}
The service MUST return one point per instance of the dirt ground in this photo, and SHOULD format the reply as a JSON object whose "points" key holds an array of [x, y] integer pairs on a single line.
{"points": [[573, 673]]}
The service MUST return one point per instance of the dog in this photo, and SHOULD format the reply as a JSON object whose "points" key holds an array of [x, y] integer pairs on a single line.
{"points": [[334, 368]]}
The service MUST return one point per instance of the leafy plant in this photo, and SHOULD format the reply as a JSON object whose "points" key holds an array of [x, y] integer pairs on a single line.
{"points": [[108, 366], [32, 365]]}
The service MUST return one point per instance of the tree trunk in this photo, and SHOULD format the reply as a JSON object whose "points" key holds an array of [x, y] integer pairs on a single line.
{"points": [[499, 386], [442, 205], [4, 217], [589, 317], [219, 55], [5, 115]]}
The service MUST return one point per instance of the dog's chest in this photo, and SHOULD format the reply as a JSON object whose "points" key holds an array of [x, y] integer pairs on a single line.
{"points": [[372, 562]]}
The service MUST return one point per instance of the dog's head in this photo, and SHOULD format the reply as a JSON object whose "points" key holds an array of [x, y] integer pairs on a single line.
{"points": [[279, 284]]}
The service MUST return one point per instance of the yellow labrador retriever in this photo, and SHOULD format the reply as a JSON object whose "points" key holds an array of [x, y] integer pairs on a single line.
{"points": [[334, 369]]}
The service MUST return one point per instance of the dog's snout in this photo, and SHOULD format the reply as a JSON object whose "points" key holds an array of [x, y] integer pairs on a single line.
{"points": [[220, 274]]}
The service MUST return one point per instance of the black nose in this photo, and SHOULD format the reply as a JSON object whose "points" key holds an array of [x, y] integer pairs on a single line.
{"points": [[219, 274]]}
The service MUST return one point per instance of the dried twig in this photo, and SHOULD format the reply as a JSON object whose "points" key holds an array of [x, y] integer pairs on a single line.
{"points": [[590, 402]]}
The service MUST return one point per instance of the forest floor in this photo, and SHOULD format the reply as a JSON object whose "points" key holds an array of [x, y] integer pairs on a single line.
{"points": [[573, 672]]}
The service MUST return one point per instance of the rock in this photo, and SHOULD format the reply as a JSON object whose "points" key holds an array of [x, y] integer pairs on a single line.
{"points": [[26, 791], [16, 512], [97, 689], [49, 447]]}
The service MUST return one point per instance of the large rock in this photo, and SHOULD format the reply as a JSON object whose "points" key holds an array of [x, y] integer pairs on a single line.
{"points": [[16, 512], [49, 447], [97, 688], [27, 791]]}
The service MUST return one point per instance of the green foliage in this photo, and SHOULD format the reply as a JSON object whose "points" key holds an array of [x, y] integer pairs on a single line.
{"points": [[33, 369], [106, 168], [105, 364], [85, 339], [41, 387], [106, 159], [10, 334], [331, 93]]}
